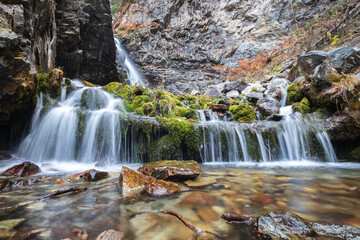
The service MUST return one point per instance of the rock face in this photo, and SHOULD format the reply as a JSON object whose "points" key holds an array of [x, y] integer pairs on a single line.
{"points": [[172, 170], [132, 181], [22, 170], [74, 35], [178, 43], [85, 43]]}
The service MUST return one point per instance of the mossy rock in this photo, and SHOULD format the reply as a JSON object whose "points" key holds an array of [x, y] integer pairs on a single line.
{"points": [[185, 112], [50, 83], [243, 113], [294, 93], [303, 106], [355, 154]]}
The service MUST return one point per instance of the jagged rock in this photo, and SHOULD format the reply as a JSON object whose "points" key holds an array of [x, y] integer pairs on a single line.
{"points": [[236, 86], [111, 235], [186, 43], [255, 96], [320, 75], [344, 127], [233, 94], [133, 181], [213, 93], [22, 170], [307, 63], [268, 107], [345, 59], [224, 101], [171, 170], [276, 85], [219, 108]]}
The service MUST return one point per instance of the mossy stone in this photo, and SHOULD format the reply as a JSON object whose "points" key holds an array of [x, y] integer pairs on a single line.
{"points": [[294, 93], [243, 113], [303, 106]]}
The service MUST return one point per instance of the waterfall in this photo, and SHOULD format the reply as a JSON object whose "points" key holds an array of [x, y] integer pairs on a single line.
{"points": [[295, 138], [123, 59], [84, 127]]}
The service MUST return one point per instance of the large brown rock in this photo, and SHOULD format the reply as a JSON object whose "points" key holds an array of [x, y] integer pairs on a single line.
{"points": [[22, 170], [131, 180], [219, 108], [172, 169], [91, 175]]}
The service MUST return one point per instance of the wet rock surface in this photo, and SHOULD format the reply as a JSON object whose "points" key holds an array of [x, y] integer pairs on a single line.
{"points": [[23, 169], [111, 235], [133, 181], [91, 175], [172, 170]]}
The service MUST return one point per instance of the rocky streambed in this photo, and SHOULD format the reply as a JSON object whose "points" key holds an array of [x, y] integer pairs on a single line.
{"points": [[103, 200]]}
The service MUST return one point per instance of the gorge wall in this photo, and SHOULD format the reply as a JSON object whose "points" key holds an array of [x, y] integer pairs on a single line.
{"points": [[36, 36], [177, 43]]}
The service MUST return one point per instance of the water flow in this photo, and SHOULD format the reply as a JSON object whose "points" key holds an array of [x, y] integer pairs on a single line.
{"points": [[85, 126], [295, 138], [123, 59]]}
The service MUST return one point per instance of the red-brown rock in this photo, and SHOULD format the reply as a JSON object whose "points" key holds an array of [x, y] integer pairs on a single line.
{"points": [[131, 180], [172, 170], [219, 108], [91, 175], [22, 170]]}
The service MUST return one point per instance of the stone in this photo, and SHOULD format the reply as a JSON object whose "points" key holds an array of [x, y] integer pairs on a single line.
{"points": [[219, 108], [59, 181], [111, 235], [268, 107], [94, 175], [133, 181], [321, 73], [201, 182], [233, 94], [91, 175], [345, 59], [224, 101], [172, 169], [213, 93], [197, 200], [23, 169], [5, 155], [255, 96], [238, 86], [307, 63], [207, 214], [275, 118]]}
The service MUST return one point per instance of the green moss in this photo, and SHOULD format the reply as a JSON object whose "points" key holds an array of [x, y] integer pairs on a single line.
{"points": [[165, 148], [243, 113], [67, 82], [185, 112], [303, 106], [355, 154], [294, 94], [148, 108]]}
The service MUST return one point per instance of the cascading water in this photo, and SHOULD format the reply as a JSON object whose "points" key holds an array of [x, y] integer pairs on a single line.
{"points": [[86, 127], [123, 59], [292, 139]]}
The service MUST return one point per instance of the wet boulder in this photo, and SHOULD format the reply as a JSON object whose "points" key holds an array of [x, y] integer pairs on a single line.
{"points": [[268, 107], [345, 59], [233, 94], [22, 170], [255, 96], [172, 170], [94, 175], [282, 225], [275, 118], [91, 175], [321, 74], [111, 235], [224, 101], [5, 155], [134, 182]]}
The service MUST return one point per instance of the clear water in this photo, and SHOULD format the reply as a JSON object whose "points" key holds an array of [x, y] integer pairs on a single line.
{"points": [[317, 192]]}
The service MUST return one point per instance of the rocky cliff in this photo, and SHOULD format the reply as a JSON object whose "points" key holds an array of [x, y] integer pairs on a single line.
{"points": [[178, 43], [36, 36]]}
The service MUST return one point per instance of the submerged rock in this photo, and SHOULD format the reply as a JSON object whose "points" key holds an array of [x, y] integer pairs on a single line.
{"points": [[200, 182], [22, 170], [110, 235], [133, 181], [91, 175], [172, 170]]}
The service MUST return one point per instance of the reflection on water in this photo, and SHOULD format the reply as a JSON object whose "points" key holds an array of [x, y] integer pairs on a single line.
{"points": [[326, 195]]}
